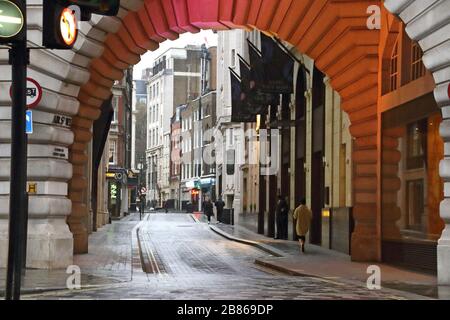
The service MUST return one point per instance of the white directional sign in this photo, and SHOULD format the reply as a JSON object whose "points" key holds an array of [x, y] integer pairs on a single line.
{"points": [[11, 19], [29, 122]]}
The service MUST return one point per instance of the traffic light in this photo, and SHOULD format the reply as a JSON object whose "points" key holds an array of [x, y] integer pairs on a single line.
{"points": [[61, 19], [12, 26], [59, 25]]}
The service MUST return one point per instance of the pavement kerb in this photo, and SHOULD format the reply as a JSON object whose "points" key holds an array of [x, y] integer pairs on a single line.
{"points": [[279, 254], [284, 270], [263, 247], [136, 244]]}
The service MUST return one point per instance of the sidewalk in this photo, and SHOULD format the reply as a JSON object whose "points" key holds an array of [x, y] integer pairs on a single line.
{"points": [[327, 264], [109, 261]]}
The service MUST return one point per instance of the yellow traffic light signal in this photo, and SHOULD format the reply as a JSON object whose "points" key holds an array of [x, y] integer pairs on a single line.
{"points": [[60, 26]]}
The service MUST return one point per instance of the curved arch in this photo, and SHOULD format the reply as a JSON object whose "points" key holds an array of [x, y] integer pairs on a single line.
{"points": [[333, 33]]}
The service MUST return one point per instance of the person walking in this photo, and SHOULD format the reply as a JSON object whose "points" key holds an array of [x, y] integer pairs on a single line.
{"points": [[142, 199], [282, 212], [303, 216], [219, 207], [208, 208]]}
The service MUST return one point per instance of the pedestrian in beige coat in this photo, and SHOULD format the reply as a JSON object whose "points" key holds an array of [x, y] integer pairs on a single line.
{"points": [[303, 216]]}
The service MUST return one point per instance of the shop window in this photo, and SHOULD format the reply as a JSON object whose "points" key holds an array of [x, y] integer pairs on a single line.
{"points": [[415, 205], [416, 145], [412, 191]]}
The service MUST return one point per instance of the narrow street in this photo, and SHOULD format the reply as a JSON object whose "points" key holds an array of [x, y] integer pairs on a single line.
{"points": [[185, 259]]}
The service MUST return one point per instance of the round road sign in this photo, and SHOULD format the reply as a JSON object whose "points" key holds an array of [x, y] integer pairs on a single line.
{"points": [[34, 93], [11, 19]]}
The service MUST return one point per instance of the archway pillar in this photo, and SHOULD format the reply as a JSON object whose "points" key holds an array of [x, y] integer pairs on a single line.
{"points": [[365, 241]]}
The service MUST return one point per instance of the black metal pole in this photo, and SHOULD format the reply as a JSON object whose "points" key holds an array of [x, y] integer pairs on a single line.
{"points": [[18, 196]]}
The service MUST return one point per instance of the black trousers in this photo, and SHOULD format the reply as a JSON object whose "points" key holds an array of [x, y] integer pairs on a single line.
{"points": [[282, 226]]}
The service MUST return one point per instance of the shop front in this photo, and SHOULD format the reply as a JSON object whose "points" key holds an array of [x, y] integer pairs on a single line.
{"points": [[118, 193], [132, 183], [412, 188], [190, 201], [207, 187]]}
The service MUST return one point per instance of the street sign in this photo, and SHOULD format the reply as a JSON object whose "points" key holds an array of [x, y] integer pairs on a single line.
{"points": [[11, 19], [34, 93], [29, 122]]}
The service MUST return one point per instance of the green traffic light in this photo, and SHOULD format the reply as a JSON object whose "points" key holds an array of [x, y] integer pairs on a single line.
{"points": [[11, 19]]}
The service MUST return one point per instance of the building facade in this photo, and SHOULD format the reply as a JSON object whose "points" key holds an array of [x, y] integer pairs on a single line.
{"points": [[175, 80], [121, 180], [312, 157], [227, 143]]}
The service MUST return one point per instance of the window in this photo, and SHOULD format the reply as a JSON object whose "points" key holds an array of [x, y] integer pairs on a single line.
{"points": [[195, 139], [233, 58], [112, 152], [415, 204], [393, 69], [115, 105], [417, 66], [416, 145], [231, 154], [230, 137], [150, 114]]}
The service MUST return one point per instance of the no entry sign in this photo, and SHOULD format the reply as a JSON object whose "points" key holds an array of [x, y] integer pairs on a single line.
{"points": [[34, 93]]}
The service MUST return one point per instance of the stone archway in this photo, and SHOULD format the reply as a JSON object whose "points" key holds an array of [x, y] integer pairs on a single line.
{"points": [[333, 32]]}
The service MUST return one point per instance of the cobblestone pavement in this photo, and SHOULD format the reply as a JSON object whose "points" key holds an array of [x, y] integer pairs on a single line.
{"points": [[195, 263], [108, 261]]}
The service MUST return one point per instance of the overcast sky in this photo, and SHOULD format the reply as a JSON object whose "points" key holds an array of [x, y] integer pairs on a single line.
{"points": [[207, 37]]}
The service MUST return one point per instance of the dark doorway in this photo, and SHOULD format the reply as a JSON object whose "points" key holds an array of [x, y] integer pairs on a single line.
{"points": [[318, 152], [285, 187]]}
